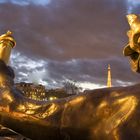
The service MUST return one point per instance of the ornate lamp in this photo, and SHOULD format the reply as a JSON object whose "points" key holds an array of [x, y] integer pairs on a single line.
{"points": [[7, 42]]}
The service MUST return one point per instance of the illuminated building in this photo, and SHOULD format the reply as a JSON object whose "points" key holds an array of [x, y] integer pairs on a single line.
{"points": [[32, 91], [38, 92], [109, 84]]}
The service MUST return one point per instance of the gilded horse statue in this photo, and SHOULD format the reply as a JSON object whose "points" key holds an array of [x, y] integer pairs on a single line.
{"points": [[102, 114]]}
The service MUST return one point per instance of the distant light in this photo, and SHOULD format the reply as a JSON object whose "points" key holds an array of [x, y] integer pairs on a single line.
{"points": [[52, 98]]}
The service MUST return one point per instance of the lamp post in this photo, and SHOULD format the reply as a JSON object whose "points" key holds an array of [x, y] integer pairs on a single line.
{"points": [[7, 42]]}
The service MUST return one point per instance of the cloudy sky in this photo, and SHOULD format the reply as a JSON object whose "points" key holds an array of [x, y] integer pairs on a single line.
{"points": [[69, 39]]}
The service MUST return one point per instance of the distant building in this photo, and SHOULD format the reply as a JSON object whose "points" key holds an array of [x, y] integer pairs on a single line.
{"points": [[32, 91], [38, 92]]}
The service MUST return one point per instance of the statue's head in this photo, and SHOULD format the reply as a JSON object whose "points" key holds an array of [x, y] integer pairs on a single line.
{"points": [[132, 49]]}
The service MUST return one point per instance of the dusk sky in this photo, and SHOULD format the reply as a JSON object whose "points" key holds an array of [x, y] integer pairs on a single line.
{"points": [[69, 39]]}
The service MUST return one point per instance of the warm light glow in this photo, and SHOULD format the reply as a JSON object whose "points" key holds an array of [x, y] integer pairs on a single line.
{"points": [[30, 112], [51, 110], [114, 113], [77, 100], [128, 106], [32, 106], [103, 104], [7, 96], [21, 108], [52, 98]]}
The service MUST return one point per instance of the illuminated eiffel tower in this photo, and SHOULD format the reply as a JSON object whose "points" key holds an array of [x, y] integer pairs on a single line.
{"points": [[109, 84]]}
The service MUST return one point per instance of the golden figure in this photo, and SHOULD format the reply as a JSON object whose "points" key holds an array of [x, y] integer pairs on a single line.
{"points": [[7, 42], [133, 47], [103, 114]]}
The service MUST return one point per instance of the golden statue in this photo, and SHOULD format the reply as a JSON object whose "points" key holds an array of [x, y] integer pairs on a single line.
{"points": [[7, 42], [133, 47], [103, 114]]}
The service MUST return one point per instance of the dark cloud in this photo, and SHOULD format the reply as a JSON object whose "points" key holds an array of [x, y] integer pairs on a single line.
{"points": [[67, 29], [75, 38]]}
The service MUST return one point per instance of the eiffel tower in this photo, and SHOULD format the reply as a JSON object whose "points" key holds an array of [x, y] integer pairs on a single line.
{"points": [[109, 84]]}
